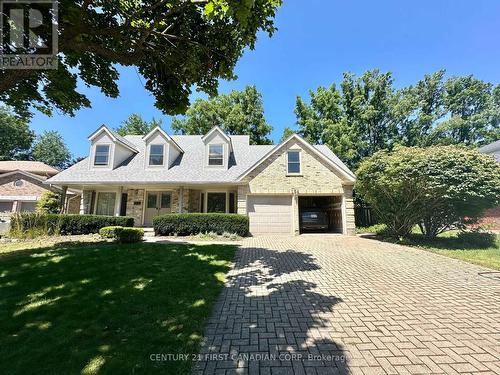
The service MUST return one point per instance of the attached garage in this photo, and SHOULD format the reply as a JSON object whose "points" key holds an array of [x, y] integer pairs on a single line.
{"points": [[320, 214], [270, 214]]}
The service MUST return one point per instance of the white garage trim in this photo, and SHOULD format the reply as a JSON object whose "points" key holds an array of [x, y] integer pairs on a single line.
{"points": [[270, 214]]}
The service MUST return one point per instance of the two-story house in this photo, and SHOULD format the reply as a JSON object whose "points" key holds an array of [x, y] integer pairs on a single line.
{"points": [[155, 174]]}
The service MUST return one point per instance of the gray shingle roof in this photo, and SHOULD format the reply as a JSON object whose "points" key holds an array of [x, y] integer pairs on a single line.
{"points": [[495, 146], [188, 168]]}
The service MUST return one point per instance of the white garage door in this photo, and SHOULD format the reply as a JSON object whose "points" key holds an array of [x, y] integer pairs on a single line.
{"points": [[270, 214]]}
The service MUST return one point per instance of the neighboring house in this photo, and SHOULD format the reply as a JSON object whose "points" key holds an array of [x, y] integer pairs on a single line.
{"points": [[492, 216], [22, 184], [146, 176]]}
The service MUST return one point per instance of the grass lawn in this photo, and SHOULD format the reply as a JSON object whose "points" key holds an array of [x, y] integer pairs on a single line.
{"points": [[76, 308], [482, 249], [451, 245]]}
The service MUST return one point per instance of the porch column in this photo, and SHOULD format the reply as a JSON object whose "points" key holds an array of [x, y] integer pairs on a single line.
{"points": [[295, 212], [181, 200], [62, 202], [82, 203], [118, 203], [348, 222]]}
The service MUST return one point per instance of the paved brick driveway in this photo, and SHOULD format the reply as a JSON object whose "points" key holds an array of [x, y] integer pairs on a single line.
{"points": [[321, 305]]}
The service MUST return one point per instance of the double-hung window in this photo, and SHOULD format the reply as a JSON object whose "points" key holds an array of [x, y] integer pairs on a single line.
{"points": [[215, 154], [101, 156], [156, 154], [293, 162]]}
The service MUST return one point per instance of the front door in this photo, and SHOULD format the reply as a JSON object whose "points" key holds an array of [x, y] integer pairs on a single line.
{"points": [[157, 203]]}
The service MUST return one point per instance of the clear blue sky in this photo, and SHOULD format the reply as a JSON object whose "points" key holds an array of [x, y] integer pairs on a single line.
{"points": [[318, 40]]}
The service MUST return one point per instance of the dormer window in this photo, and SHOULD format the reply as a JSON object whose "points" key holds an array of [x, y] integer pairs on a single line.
{"points": [[293, 162], [156, 154], [216, 154], [101, 155]]}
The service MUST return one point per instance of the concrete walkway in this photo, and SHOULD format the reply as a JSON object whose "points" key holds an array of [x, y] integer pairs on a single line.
{"points": [[332, 304]]}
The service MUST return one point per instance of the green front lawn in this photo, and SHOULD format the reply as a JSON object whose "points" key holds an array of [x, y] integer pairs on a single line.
{"points": [[105, 308], [474, 249], [478, 248]]}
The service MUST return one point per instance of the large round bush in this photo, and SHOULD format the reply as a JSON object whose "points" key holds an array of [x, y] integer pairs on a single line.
{"points": [[437, 187]]}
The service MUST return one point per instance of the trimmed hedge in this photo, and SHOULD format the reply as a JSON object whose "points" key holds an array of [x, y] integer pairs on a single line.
{"points": [[188, 224], [122, 234], [49, 224]]}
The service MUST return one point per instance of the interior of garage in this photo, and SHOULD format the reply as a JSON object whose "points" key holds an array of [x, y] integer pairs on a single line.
{"points": [[331, 205]]}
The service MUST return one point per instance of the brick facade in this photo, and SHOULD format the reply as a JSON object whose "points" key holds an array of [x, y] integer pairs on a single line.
{"points": [[30, 189], [317, 177]]}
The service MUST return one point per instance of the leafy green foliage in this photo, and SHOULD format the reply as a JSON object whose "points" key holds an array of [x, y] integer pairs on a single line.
{"points": [[49, 224], [438, 187], [122, 234], [49, 203], [239, 112], [195, 223], [367, 114], [175, 45], [136, 125], [16, 136], [51, 149]]}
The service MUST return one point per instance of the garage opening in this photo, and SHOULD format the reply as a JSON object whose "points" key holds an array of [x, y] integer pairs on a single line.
{"points": [[320, 214]]}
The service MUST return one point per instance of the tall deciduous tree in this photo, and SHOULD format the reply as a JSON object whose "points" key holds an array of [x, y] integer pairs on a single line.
{"points": [[136, 125], [368, 114], [15, 136], [51, 149], [174, 45], [239, 112]]}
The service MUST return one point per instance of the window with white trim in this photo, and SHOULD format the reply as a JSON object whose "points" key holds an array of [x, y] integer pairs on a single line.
{"points": [[216, 154], [156, 154], [293, 158], [101, 156]]}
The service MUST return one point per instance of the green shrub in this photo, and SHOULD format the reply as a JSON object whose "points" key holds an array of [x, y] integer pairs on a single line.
{"points": [[48, 203], [109, 232], [194, 223], [375, 229], [437, 188], [24, 224], [477, 239], [122, 234]]}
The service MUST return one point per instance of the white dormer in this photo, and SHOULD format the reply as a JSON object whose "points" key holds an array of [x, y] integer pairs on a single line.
{"points": [[108, 149], [218, 148], [161, 149]]}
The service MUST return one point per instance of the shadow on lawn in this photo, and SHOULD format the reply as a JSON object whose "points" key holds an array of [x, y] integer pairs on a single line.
{"points": [[270, 315], [462, 241], [105, 308]]}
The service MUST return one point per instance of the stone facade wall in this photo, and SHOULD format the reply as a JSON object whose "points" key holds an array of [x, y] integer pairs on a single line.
{"points": [[349, 211], [73, 205], [135, 205], [175, 201], [194, 200]]}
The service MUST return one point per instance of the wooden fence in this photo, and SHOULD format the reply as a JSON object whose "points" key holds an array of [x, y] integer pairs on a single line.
{"points": [[364, 216]]}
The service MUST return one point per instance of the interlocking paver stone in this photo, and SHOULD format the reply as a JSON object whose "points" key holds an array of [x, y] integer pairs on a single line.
{"points": [[333, 304]]}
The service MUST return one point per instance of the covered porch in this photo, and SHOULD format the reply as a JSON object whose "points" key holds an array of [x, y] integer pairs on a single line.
{"points": [[143, 203]]}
